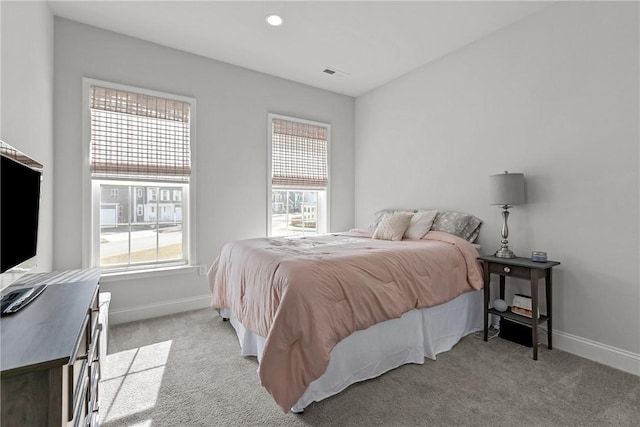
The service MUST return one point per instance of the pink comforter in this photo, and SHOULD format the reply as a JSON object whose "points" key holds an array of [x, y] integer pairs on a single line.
{"points": [[306, 294]]}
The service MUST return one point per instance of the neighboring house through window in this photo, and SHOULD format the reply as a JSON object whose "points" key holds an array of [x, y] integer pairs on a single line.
{"points": [[299, 177], [140, 146]]}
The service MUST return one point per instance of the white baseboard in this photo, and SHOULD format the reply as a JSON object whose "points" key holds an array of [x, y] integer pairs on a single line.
{"points": [[164, 308], [593, 350]]}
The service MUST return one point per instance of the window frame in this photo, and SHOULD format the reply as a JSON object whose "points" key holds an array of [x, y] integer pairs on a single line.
{"points": [[91, 196], [270, 118]]}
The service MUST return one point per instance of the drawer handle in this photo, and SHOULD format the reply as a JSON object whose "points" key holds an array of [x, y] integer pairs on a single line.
{"points": [[507, 270]]}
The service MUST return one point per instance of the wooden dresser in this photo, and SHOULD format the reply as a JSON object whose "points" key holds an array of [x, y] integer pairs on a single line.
{"points": [[50, 354]]}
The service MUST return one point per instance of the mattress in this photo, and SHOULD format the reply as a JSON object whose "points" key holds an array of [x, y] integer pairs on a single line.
{"points": [[369, 353]]}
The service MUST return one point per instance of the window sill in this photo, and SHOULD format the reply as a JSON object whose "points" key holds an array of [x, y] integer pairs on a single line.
{"points": [[147, 273]]}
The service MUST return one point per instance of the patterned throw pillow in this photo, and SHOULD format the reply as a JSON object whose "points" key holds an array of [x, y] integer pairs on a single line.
{"points": [[459, 224], [392, 226]]}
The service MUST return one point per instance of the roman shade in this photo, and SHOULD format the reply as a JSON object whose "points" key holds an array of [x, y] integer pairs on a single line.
{"points": [[299, 154], [139, 137]]}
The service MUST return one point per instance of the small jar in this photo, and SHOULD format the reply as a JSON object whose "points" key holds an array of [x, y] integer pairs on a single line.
{"points": [[538, 256]]}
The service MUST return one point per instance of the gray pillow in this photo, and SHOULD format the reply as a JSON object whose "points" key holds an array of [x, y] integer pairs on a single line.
{"points": [[459, 224]]}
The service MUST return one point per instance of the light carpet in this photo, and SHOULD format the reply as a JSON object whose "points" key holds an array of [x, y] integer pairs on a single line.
{"points": [[186, 370]]}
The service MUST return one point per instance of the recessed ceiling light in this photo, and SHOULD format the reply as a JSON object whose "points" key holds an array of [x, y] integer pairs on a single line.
{"points": [[274, 20]]}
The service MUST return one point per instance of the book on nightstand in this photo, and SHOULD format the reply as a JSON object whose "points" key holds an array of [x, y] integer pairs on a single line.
{"points": [[522, 305]]}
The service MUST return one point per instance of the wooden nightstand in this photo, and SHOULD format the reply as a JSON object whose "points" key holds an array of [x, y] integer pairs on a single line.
{"points": [[521, 268]]}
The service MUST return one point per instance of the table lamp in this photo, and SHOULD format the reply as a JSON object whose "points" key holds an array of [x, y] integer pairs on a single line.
{"points": [[506, 190]]}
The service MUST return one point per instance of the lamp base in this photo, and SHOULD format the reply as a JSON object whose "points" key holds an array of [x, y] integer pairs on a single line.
{"points": [[504, 253]]}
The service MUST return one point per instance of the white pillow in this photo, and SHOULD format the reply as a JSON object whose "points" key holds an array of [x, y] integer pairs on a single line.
{"points": [[377, 217], [420, 224], [392, 226]]}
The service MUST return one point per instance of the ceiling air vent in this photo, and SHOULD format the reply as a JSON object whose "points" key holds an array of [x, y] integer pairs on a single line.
{"points": [[335, 73]]}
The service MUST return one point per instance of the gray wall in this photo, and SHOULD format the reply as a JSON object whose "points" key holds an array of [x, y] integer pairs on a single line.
{"points": [[555, 97], [26, 100], [231, 164]]}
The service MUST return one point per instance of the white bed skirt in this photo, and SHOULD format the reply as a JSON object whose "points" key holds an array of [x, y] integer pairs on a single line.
{"points": [[387, 345]]}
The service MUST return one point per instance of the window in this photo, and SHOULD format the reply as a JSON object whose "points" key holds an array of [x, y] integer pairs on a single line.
{"points": [[299, 177], [140, 146]]}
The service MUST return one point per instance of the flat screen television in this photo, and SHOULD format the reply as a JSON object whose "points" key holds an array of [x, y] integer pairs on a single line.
{"points": [[20, 183]]}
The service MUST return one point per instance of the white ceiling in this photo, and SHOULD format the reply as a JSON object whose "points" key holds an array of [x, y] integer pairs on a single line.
{"points": [[373, 41]]}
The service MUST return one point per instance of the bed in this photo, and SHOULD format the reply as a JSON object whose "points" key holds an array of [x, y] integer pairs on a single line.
{"points": [[323, 312]]}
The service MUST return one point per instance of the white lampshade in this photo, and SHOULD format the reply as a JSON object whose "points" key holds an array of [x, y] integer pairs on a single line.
{"points": [[506, 189]]}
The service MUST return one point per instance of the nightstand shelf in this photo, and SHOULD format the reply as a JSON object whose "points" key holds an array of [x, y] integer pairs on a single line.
{"points": [[520, 268], [518, 318]]}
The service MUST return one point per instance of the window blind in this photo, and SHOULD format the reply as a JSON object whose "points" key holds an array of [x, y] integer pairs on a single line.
{"points": [[140, 137], [299, 154]]}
